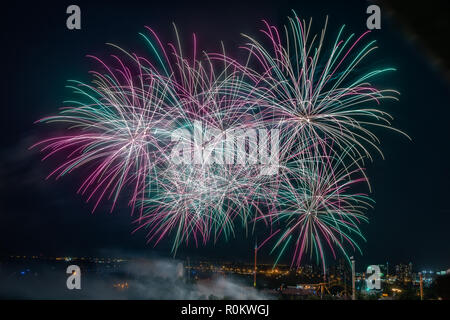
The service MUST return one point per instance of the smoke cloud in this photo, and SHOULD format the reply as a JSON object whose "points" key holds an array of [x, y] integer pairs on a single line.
{"points": [[141, 278]]}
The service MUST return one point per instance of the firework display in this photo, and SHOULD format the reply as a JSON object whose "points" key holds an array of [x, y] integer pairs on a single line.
{"points": [[203, 145]]}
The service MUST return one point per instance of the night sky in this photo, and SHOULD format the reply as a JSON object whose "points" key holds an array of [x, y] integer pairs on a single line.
{"points": [[411, 218]]}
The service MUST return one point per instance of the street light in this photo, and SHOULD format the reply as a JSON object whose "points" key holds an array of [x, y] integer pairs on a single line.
{"points": [[353, 279]]}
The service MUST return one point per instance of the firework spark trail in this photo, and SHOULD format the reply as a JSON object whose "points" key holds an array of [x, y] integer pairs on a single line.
{"points": [[115, 127], [199, 199], [126, 129], [332, 103], [325, 103], [317, 207]]}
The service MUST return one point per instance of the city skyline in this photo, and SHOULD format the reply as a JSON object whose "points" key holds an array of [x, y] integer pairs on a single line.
{"points": [[119, 277], [229, 261]]}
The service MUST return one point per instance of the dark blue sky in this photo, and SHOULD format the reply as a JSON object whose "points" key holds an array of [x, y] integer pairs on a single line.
{"points": [[411, 218]]}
